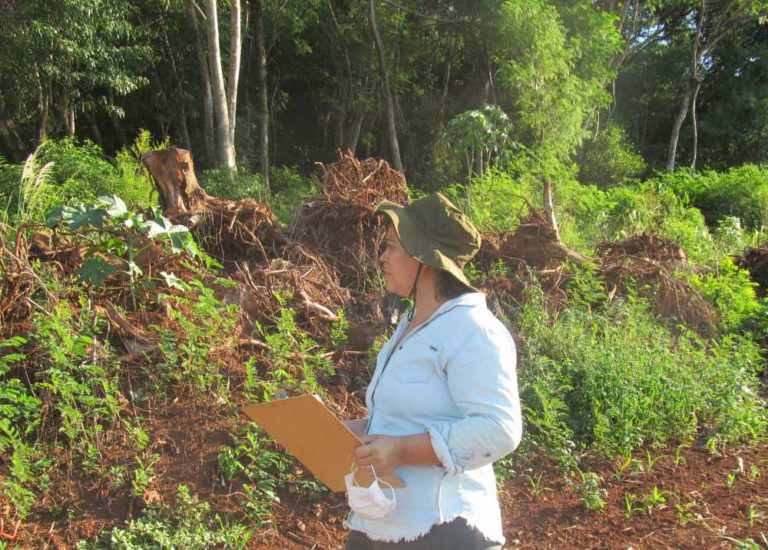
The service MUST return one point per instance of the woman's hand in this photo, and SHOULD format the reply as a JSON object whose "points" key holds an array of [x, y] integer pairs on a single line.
{"points": [[383, 452], [386, 453]]}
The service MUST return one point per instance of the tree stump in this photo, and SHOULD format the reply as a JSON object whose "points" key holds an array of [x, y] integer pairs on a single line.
{"points": [[174, 175]]}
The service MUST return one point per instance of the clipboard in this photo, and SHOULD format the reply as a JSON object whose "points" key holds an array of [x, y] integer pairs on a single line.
{"points": [[313, 434]]}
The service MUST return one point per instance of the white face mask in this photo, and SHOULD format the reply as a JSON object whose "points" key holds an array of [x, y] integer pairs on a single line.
{"points": [[370, 502]]}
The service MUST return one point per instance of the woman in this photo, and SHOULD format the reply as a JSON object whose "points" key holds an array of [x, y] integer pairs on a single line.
{"points": [[443, 400]]}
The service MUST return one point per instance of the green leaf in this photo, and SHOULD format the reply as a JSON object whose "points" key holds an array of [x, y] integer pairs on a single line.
{"points": [[114, 206], [172, 280], [95, 270]]}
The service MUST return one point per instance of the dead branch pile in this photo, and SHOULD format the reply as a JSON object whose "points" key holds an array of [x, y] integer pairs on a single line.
{"points": [[299, 280], [648, 263], [755, 260], [535, 243], [339, 223]]}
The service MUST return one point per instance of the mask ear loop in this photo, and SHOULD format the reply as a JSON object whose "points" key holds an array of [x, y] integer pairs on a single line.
{"points": [[376, 479]]}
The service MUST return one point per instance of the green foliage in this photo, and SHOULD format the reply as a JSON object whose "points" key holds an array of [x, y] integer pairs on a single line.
{"points": [[610, 160], [288, 190], [592, 493], [296, 358], [495, 200], [481, 138], [615, 380], [187, 524], [264, 469], [136, 186], [655, 208], [731, 291], [117, 233], [79, 171], [741, 192], [206, 324], [242, 184]]}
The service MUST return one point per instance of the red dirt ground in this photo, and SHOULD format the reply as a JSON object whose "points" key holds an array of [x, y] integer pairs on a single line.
{"points": [[700, 511]]}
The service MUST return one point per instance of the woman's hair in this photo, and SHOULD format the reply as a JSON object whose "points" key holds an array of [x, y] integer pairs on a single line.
{"points": [[448, 286]]}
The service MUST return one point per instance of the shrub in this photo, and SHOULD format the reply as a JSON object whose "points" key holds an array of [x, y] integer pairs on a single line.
{"points": [[731, 291], [610, 160], [740, 192], [239, 185], [288, 190], [189, 524], [614, 380]]}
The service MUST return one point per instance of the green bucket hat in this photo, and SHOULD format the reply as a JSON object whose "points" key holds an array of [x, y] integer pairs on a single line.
{"points": [[433, 231]]}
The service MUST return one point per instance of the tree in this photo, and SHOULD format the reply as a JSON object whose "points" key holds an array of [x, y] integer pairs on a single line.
{"points": [[67, 57], [223, 95], [703, 23], [386, 91]]}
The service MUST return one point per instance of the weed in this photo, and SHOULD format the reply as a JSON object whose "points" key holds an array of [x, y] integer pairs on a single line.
{"points": [[749, 544], [684, 513], [592, 494], [535, 483], [654, 500], [630, 505], [754, 516], [188, 524]]}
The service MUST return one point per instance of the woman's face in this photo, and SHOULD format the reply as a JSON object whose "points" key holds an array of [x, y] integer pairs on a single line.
{"points": [[397, 267]]}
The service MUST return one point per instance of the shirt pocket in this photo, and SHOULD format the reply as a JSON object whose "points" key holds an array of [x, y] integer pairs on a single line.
{"points": [[418, 360]]}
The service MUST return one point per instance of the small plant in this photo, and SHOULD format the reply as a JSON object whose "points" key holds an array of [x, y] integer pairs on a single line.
{"points": [[535, 484], [188, 524], [754, 516], [630, 505], [143, 475], [654, 500], [592, 494], [684, 513]]}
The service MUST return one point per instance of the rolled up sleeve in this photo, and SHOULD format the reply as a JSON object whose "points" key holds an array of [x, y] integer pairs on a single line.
{"points": [[482, 381]]}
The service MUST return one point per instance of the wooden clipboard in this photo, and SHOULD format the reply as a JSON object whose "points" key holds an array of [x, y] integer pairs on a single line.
{"points": [[313, 434]]}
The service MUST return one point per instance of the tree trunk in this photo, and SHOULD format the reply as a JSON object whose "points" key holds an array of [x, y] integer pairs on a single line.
{"points": [[224, 145], [174, 175], [549, 207], [440, 119], [263, 95], [235, 51], [695, 127], [681, 114], [397, 163], [116, 124], [10, 137], [94, 129], [42, 106], [205, 78]]}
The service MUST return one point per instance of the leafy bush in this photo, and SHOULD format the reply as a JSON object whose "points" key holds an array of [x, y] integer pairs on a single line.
{"points": [[654, 208], [731, 291], [493, 201], [239, 185], [610, 160], [288, 190], [615, 380], [80, 172], [740, 192], [136, 185], [189, 524]]}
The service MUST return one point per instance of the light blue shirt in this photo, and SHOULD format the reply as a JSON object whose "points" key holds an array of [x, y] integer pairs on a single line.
{"points": [[453, 377]]}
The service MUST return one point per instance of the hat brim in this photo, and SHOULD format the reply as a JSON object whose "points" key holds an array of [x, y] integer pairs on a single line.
{"points": [[411, 238]]}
